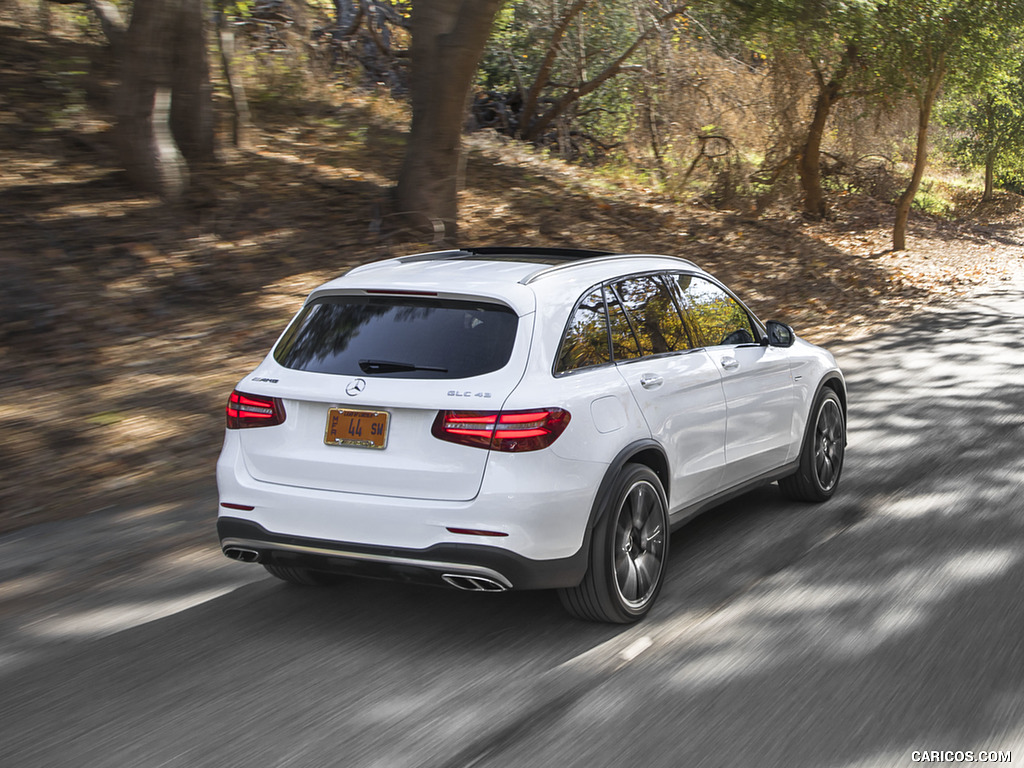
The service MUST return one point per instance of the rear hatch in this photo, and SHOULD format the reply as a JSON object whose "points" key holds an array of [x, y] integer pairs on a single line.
{"points": [[362, 379]]}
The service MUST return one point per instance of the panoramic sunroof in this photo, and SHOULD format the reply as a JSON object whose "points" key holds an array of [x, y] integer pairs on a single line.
{"points": [[532, 255]]}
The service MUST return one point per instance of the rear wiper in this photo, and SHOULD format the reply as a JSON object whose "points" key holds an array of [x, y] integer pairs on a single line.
{"points": [[389, 366]]}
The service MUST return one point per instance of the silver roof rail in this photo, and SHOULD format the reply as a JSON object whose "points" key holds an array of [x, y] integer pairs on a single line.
{"points": [[565, 258], [613, 257]]}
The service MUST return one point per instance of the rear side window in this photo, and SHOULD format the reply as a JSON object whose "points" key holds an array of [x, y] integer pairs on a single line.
{"points": [[585, 343], [399, 337]]}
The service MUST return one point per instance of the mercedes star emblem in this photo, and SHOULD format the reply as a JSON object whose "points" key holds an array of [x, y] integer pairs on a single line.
{"points": [[355, 387]]}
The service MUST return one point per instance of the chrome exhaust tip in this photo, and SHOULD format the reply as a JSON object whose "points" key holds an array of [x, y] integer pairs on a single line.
{"points": [[242, 555], [473, 583]]}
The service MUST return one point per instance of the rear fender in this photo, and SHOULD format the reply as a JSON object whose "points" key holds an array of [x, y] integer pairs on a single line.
{"points": [[647, 452]]}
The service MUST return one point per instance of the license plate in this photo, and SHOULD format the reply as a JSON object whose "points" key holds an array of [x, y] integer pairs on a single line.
{"points": [[358, 429]]}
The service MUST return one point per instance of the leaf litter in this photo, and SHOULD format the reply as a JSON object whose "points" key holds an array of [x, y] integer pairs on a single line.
{"points": [[125, 323]]}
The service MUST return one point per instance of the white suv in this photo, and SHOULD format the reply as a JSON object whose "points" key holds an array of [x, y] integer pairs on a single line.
{"points": [[518, 418]]}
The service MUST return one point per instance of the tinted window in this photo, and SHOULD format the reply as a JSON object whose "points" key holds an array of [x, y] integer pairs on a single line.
{"points": [[585, 343], [399, 337], [655, 319], [719, 318], [624, 342]]}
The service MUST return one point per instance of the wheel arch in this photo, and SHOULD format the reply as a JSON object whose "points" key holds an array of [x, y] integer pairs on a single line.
{"points": [[835, 382], [647, 452], [805, 484]]}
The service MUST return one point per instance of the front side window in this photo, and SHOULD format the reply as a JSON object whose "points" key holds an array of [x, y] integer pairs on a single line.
{"points": [[718, 317], [585, 342], [399, 337]]}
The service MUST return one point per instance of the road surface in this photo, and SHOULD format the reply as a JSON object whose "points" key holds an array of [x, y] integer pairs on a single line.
{"points": [[857, 633]]}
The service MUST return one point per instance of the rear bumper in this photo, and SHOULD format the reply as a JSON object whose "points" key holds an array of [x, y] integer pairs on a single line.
{"points": [[534, 505], [430, 565]]}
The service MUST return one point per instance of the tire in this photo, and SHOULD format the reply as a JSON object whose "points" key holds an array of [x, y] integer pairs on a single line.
{"points": [[301, 576], [628, 552], [822, 453]]}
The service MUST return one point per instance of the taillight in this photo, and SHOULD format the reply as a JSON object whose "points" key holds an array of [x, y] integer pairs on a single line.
{"points": [[508, 431], [253, 411]]}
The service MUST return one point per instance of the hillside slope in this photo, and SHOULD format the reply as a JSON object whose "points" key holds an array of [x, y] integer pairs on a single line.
{"points": [[124, 323]]}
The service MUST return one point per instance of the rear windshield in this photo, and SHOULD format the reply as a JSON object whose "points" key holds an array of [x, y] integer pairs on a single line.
{"points": [[399, 337]]}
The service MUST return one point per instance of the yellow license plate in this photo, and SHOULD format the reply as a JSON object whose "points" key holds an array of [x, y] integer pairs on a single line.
{"points": [[359, 429]]}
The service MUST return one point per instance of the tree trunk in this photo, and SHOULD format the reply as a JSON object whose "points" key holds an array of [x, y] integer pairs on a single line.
{"points": [[111, 22], [809, 167], [165, 113], [147, 148], [191, 92], [924, 114], [990, 173], [241, 120], [990, 156], [448, 38]]}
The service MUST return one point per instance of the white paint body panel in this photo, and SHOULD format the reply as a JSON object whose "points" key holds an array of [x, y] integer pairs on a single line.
{"points": [[717, 428]]}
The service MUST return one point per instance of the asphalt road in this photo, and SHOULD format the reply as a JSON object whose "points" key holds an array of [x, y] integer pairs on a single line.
{"points": [[854, 633]]}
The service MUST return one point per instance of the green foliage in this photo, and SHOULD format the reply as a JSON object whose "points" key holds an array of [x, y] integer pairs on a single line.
{"points": [[241, 9], [931, 200], [986, 124], [1012, 178], [920, 42], [841, 185]]}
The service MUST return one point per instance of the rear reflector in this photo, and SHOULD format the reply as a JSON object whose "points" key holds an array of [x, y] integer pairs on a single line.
{"points": [[475, 532], [243, 507], [506, 431], [245, 411]]}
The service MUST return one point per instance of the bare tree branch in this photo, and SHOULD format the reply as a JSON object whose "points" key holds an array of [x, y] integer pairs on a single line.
{"points": [[354, 24], [544, 72], [577, 92]]}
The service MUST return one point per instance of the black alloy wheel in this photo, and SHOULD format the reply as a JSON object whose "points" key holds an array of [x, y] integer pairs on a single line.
{"points": [[822, 454], [629, 552]]}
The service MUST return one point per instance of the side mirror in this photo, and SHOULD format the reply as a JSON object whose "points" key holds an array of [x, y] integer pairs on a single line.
{"points": [[779, 334]]}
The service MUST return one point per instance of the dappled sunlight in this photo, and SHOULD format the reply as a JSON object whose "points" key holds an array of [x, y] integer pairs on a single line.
{"points": [[26, 586], [917, 506], [101, 622], [823, 655], [872, 438], [66, 584], [73, 212], [326, 172], [792, 614]]}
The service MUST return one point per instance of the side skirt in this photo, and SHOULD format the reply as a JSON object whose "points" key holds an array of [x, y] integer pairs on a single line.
{"points": [[683, 515]]}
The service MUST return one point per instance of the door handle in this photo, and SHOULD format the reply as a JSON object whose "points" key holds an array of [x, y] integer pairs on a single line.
{"points": [[650, 381], [729, 363]]}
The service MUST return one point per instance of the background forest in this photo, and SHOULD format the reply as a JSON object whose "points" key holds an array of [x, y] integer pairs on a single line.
{"points": [[177, 175]]}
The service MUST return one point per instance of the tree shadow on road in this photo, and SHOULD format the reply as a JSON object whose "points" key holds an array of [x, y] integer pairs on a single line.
{"points": [[848, 633]]}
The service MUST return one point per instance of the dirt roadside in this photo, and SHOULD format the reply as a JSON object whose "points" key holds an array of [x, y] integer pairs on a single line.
{"points": [[124, 323]]}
